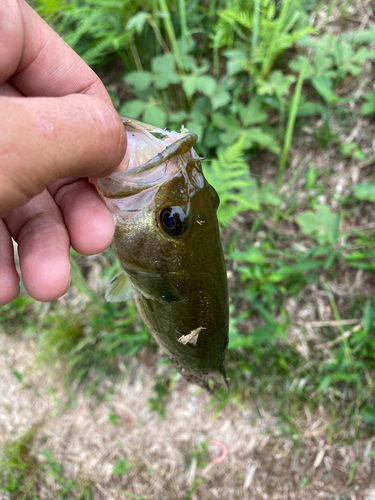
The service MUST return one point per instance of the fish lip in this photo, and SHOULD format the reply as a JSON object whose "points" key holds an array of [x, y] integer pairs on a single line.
{"points": [[173, 150], [132, 124], [181, 151]]}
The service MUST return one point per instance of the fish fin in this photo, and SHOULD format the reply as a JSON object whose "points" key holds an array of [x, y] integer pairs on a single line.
{"points": [[120, 289]]}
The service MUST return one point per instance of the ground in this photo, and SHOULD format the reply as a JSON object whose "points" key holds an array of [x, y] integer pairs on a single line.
{"points": [[168, 457]]}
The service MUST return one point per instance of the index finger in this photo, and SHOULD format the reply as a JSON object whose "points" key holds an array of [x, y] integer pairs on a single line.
{"points": [[48, 66]]}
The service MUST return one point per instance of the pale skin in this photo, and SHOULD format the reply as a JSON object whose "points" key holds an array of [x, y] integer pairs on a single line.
{"points": [[57, 128]]}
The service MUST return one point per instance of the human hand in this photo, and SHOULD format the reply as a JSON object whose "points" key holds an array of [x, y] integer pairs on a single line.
{"points": [[57, 127]]}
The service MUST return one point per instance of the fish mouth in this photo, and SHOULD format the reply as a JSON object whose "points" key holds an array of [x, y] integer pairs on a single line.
{"points": [[149, 161]]}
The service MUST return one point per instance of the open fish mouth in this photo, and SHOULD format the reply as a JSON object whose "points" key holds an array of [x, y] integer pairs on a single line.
{"points": [[149, 161]]}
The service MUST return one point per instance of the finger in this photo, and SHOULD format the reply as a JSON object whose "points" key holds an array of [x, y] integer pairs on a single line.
{"points": [[43, 247], [10, 281], [8, 89], [46, 139], [88, 220], [48, 66], [11, 38]]}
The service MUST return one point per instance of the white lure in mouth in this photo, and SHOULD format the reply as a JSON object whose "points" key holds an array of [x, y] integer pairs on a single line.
{"points": [[143, 145]]}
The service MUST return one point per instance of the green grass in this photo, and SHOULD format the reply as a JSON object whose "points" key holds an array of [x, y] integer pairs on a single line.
{"points": [[17, 467], [22, 474], [93, 342]]}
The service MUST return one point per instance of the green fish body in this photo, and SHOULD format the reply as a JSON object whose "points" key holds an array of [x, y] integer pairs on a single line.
{"points": [[168, 243]]}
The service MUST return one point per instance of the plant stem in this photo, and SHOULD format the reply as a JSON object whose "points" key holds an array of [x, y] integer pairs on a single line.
{"points": [[184, 30], [136, 57], [255, 33], [291, 122], [171, 33]]}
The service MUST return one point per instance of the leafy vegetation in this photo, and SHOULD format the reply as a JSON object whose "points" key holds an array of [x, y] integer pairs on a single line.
{"points": [[261, 86], [93, 342], [21, 472], [246, 76]]}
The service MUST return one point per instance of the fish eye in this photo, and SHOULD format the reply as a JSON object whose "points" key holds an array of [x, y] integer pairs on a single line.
{"points": [[171, 221]]}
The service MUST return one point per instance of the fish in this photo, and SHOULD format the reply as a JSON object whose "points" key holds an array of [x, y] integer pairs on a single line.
{"points": [[167, 241]]}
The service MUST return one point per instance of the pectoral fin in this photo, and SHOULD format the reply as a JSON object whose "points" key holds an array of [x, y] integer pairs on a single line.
{"points": [[119, 289]]}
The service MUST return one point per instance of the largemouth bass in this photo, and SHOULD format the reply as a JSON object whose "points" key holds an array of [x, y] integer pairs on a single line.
{"points": [[168, 243]]}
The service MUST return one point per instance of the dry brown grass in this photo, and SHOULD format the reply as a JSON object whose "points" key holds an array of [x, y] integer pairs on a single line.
{"points": [[262, 463]]}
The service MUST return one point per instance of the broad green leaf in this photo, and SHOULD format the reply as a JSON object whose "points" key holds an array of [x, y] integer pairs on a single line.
{"points": [[163, 80], [207, 85], [277, 84], [155, 115], [177, 117], [188, 63], [185, 45], [265, 333], [368, 414], [220, 99], [298, 63], [364, 36], [308, 108], [323, 224], [297, 270], [162, 64], [237, 59], [230, 136], [202, 105], [307, 221], [368, 108], [226, 122], [349, 60], [252, 114], [268, 196], [258, 136], [141, 80], [365, 191], [164, 68], [252, 255], [329, 222], [198, 117], [133, 109], [211, 138], [235, 66], [323, 66], [195, 128], [137, 21], [324, 87], [189, 84], [203, 68]]}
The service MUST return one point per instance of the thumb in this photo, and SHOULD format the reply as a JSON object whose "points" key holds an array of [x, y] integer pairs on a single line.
{"points": [[46, 139]]}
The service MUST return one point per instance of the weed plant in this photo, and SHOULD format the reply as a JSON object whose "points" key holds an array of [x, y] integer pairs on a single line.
{"points": [[21, 473], [93, 342]]}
